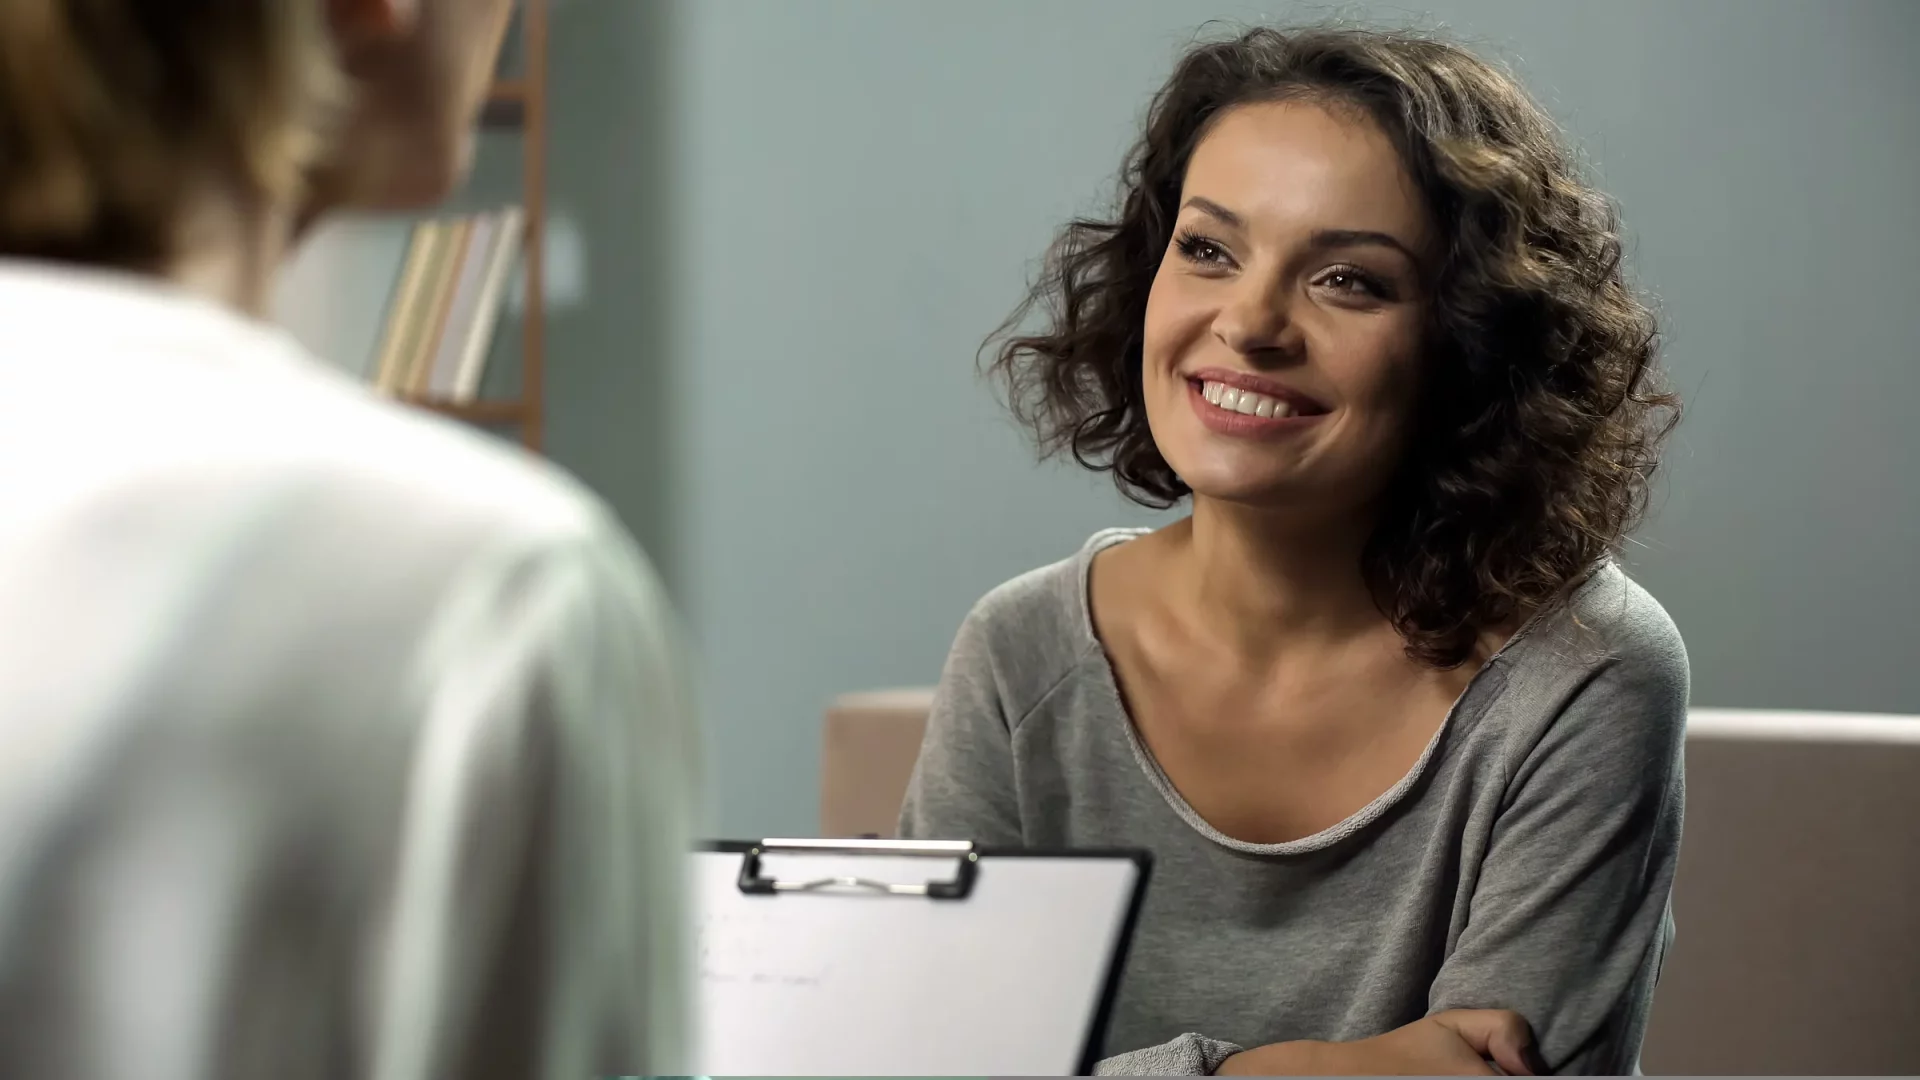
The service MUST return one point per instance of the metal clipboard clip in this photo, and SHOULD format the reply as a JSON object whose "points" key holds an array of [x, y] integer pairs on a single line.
{"points": [[956, 888]]}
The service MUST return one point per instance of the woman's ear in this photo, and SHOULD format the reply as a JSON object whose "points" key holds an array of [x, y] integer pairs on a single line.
{"points": [[358, 20]]}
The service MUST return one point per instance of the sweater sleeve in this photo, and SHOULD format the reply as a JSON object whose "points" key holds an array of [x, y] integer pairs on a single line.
{"points": [[963, 784], [1188, 1055], [1569, 921]]}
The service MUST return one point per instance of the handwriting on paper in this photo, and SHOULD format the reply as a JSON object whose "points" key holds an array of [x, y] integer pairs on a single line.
{"points": [[743, 946]]}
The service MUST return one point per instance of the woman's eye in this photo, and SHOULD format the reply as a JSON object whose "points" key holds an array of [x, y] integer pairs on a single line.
{"points": [[1202, 250], [1353, 282]]}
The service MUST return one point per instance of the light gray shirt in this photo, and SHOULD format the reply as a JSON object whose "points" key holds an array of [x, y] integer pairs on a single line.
{"points": [[1525, 862], [336, 742]]}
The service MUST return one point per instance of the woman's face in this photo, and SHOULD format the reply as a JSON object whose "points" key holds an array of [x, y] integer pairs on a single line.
{"points": [[1283, 330], [420, 72]]}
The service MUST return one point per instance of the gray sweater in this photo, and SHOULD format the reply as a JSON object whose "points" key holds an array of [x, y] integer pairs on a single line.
{"points": [[1524, 863]]}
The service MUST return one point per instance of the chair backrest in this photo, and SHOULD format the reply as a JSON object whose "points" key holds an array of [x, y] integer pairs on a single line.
{"points": [[868, 748], [1797, 904], [1798, 901]]}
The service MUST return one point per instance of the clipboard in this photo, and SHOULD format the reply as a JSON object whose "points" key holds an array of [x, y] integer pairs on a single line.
{"points": [[876, 957]]}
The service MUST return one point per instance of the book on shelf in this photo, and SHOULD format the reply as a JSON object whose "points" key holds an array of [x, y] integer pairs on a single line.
{"points": [[446, 276], [396, 340], [437, 381], [446, 304], [503, 253]]}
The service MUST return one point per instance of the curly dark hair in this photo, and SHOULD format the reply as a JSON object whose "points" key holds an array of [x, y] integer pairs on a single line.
{"points": [[1531, 454]]}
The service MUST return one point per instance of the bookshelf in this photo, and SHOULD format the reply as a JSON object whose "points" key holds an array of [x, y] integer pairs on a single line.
{"points": [[518, 103]]}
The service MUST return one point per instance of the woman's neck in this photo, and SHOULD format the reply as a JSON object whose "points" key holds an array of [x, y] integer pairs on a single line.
{"points": [[231, 252], [1266, 578]]}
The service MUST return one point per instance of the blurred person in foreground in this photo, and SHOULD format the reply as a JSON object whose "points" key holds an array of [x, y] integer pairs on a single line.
{"points": [[335, 740]]}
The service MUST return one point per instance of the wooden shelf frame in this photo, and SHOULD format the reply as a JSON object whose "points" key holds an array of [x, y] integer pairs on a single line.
{"points": [[533, 195], [490, 411], [515, 91]]}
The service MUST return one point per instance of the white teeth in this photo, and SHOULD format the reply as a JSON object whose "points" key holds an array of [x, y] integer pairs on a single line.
{"points": [[1245, 402]]}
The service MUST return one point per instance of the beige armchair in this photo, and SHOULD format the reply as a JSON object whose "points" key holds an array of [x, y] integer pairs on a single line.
{"points": [[868, 748], [1798, 900]]}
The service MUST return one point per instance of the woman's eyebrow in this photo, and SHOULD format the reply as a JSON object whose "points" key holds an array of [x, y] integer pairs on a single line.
{"points": [[1216, 211], [1324, 239]]}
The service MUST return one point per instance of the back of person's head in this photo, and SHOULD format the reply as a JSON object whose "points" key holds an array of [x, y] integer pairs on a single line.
{"points": [[120, 119]]}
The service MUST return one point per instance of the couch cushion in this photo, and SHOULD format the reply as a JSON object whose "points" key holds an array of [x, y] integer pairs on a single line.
{"points": [[1798, 899]]}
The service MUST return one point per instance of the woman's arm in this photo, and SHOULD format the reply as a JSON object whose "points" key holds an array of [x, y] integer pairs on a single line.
{"points": [[1458, 1043], [1569, 922]]}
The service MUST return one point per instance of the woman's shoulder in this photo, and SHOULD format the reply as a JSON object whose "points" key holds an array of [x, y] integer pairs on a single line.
{"points": [[1609, 665], [1624, 624], [1034, 628], [1050, 599]]}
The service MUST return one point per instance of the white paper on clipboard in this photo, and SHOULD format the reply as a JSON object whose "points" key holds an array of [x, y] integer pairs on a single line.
{"points": [[1008, 980]]}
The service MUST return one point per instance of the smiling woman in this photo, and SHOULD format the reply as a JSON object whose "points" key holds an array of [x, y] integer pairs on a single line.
{"points": [[1403, 738]]}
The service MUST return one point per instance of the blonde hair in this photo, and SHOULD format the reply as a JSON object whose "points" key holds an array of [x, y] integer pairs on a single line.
{"points": [[115, 114]]}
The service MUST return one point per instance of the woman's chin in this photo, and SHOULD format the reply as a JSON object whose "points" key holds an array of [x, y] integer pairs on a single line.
{"points": [[1263, 491]]}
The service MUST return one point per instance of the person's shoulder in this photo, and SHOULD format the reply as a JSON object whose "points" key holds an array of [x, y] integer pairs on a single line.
{"points": [[1608, 665], [1630, 629], [1034, 629], [1048, 602], [210, 412], [415, 474]]}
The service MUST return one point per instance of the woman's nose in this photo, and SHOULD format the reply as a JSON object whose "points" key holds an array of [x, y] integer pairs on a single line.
{"points": [[1257, 319]]}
